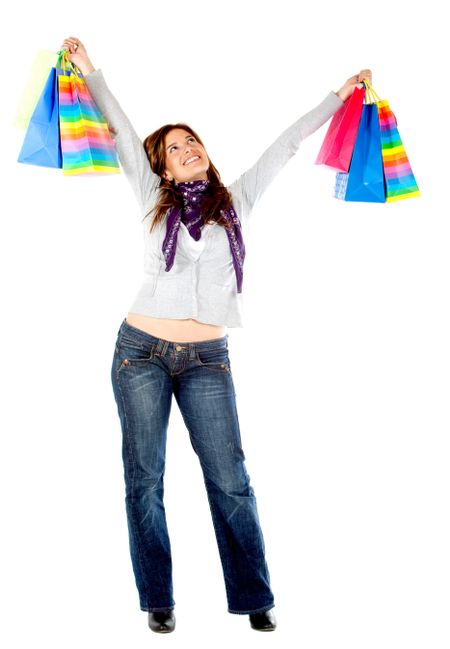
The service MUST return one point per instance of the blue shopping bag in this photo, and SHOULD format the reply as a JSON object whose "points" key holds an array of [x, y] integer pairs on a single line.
{"points": [[365, 178], [42, 145]]}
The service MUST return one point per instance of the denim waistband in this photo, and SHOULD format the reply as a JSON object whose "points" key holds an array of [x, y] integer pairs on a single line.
{"points": [[162, 344]]}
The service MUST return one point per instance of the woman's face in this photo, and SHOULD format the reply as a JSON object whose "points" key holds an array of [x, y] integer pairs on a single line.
{"points": [[186, 159]]}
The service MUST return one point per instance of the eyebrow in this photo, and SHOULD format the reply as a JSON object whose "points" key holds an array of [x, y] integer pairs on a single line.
{"points": [[186, 138]]}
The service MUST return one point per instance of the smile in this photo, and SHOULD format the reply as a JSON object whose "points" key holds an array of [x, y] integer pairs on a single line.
{"points": [[192, 159]]}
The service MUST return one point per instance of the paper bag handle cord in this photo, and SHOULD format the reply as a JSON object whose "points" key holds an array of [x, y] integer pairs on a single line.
{"points": [[368, 96], [374, 96], [64, 63]]}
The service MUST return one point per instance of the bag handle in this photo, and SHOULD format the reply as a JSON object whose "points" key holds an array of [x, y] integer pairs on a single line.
{"points": [[368, 96], [64, 63], [370, 93]]}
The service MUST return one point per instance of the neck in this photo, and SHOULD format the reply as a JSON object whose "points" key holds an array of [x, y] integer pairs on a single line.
{"points": [[200, 176]]}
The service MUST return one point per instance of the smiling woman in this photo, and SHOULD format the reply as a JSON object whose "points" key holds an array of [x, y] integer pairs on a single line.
{"points": [[184, 151], [174, 343], [177, 154]]}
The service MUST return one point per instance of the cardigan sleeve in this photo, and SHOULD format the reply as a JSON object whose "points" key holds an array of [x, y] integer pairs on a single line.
{"points": [[130, 148], [251, 184]]}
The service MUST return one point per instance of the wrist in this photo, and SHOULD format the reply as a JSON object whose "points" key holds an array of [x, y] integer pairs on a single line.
{"points": [[342, 93], [86, 68]]}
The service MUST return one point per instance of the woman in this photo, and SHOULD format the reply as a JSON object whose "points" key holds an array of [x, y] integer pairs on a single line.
{"points": [[174, 342]]}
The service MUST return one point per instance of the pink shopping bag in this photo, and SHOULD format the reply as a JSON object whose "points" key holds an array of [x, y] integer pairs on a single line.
{"points": [[337, 148]]}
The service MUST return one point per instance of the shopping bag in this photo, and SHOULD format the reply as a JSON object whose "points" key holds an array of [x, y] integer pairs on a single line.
{"points": [[41, 145], [365, 175], [86, 144], [340, 185], [43, 62], [337, 147], [400, 180]]}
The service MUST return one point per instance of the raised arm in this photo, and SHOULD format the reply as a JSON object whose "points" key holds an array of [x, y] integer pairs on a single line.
{"points": [[130, 149], [251, 184]]}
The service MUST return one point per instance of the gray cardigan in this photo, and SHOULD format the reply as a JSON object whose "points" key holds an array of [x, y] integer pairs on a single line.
{"points": [[201, 283]]}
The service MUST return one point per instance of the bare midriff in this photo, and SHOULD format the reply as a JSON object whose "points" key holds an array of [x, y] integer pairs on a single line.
{"points": [[180, 331]]}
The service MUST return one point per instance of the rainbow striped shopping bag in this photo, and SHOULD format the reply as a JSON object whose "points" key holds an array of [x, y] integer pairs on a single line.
{"points": [[400, 181], [86, 143]]}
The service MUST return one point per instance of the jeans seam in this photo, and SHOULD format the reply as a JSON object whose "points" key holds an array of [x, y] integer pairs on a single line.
{"points": [[136, 532], [225, 571], [191, 435]]}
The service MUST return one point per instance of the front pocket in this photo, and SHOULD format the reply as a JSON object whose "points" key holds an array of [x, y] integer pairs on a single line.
{"points": [[214, 359], [133, 353]]}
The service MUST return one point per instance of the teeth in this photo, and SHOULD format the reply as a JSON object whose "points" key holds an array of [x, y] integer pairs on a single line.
{"points": [[189, 160]]}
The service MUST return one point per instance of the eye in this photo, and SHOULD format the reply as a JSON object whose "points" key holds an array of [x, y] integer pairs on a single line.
{"points": [[172, 148], [192, 138]]}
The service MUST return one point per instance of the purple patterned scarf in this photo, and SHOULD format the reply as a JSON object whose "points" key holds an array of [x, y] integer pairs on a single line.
{"points": [[193, 193]]}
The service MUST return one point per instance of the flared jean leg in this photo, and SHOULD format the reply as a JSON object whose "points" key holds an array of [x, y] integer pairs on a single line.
{"points": [[143, 393], [206, 398]]}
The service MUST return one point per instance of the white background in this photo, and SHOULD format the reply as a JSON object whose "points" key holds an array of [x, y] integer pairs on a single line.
{"points": [[341, 371]]}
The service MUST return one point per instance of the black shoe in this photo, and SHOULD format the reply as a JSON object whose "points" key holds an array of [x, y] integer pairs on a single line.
{"points": [[263, 621], [161, 621]]}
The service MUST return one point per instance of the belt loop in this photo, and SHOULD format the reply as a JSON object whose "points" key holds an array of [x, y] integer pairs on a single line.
{"points": [[191, 351]]}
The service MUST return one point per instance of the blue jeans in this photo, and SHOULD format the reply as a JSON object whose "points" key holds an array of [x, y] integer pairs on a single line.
{"points": [[146, 371]]}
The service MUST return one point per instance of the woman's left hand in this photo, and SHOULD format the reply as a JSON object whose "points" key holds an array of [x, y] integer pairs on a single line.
{"points": [[347, 89]]}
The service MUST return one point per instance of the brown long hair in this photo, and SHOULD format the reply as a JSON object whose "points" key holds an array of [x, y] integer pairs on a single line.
{"points": [[217, 197]]}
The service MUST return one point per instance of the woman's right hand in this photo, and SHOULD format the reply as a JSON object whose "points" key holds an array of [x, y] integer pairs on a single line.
{"points": [[351, 83], [76, 53]]}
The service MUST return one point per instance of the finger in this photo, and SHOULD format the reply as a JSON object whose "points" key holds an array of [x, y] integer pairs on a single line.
{"points": [[365, 74], [68, 44], [72, 42]]}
